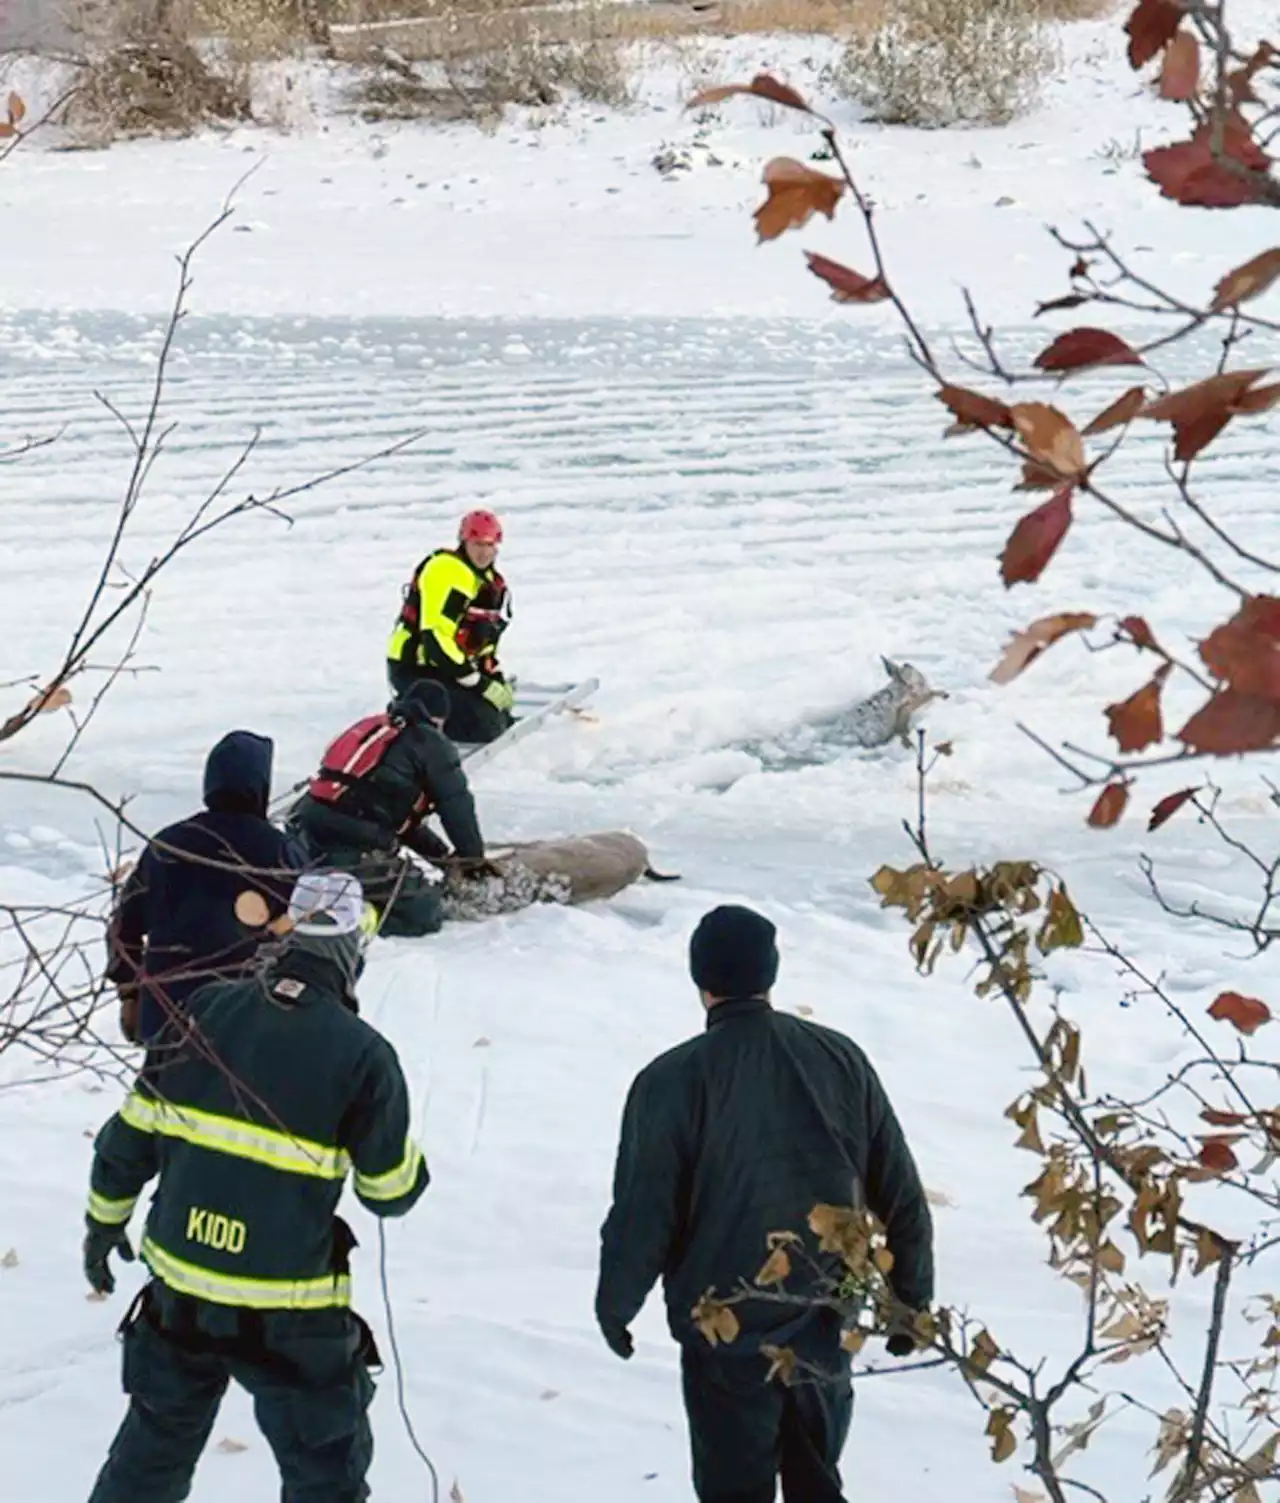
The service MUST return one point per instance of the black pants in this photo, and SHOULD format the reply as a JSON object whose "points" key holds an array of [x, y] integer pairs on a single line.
{"points": [[746, 1433], [311, 1391], [472, 719]]}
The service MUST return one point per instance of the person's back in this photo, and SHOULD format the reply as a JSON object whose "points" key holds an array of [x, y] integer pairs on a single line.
{"points": [[378, 783], [782, 1115], [253, 1137], [728, 1138], [182, 919]]}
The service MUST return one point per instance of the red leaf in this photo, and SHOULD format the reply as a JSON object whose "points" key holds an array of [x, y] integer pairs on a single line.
{"points": [[1231, 723], [1028, 644], [1217, 1154], [1188, 172], [1136, 630], [1196, 434], [973, 410], [1247, 281], [1245, 651], [1169, 806], [1152, 26], [1191, 402], [796, 194], [847, 286], [1036, 478], [1260, 399], [1035, 540], [1123, 410], [1245, 1014], [1078, 348], [1216, 1118], [762, 86], [1180, 75], [1136, 723], [1110, 806]]}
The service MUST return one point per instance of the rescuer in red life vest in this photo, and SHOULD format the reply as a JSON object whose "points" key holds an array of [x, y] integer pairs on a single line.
{"points": [[455, 609], [378, 782]]}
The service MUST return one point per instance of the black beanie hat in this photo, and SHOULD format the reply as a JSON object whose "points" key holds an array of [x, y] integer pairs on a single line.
{"points": [[422, 701], [733, 953]]}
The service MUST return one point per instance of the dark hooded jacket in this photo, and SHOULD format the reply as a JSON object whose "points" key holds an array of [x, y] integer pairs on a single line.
{"points": [[176, 925], [740, 1132], [419, 774]]}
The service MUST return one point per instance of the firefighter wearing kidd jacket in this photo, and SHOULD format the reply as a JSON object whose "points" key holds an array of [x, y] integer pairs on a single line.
{"points": [[252, 1140]]}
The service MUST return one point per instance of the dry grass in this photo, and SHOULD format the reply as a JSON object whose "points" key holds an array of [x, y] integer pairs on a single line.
{"points": [[947, 62]]}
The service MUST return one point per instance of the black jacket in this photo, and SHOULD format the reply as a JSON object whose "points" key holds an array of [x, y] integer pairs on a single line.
{"points": [[253, 1137], [175, 926], [419, 773], [741, 1132]]}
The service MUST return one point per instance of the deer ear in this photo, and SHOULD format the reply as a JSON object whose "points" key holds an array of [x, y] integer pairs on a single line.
{"points": [[890, 667]]}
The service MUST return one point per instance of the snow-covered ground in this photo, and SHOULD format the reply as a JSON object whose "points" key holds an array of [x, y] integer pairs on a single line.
{"points": [[727, 499]]}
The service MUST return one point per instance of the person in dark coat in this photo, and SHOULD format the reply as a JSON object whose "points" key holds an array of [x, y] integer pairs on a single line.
{"points": [[196, 906], [377, 785], [251, 1144], [737, 1133]]}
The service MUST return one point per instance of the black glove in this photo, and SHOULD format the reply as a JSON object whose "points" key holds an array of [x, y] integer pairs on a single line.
{"points": [[618, 1339], [900, 1344], [476, 868], [99, 1241]]}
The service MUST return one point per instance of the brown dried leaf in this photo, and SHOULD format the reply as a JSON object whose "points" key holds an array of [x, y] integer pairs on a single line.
{"points": [[796, 194], [50, 700], [884, 1260], [782, 1363], [762, 86], [1035, 539], [1021, 1495], [1123, 410], [252, 910], [1062, 928], [1136, 722], [1245, 1014], [280, 926], [1260, 399], [1036, 478], [17, 109], [847, 286], [1249, 280], [1051, 437], [1245, 651], [777, 1268], [1151, 26], [1110, 1258], [971, 409], [999, 1428], [1110, 806], [716, 1320], [1230, 723], [853, 1340], [1180, 74], [1217, 1154], [1078, 349], [1028, 644], [1216, 1118], [1211, 395], [1169, 806]]}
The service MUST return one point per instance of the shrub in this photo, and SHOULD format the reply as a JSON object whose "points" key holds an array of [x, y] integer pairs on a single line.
{"points": [[947, 62]]}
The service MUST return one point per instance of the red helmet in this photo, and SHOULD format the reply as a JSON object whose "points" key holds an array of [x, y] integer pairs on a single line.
{"points": [[480, 527]]}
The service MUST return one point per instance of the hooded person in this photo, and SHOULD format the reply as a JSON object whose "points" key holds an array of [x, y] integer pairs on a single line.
{"points": [[369, 802], [196, 906]]}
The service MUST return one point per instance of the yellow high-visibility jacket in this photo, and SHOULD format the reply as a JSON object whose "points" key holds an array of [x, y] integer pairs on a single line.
{"points": [[432, 628]]}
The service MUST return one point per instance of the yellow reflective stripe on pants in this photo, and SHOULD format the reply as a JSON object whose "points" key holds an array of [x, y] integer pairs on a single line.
{"points": [[333, 1291], [245, 1140], [111, 1212], [395, 1182]]}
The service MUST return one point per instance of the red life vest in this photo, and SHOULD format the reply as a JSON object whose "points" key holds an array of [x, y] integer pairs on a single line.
{"points": [[352, 756]]}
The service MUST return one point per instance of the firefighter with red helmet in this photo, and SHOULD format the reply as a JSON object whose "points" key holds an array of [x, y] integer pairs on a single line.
{"points": [[367, 806], [455, 609]]}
